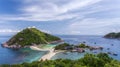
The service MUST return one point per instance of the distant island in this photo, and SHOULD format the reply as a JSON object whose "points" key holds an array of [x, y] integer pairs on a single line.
{"points": [[30, 36], [113, 35]]}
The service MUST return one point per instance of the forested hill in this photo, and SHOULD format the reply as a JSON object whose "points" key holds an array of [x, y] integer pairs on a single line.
{"points": [[30, 36], [113, 35]]}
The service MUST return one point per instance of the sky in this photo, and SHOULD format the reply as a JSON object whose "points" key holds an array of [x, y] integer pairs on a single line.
{"points": [[68, 17]]}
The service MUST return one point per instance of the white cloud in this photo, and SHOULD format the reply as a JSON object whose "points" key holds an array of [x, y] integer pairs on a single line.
{"points": [[46, 10], [8, 31], [51, 10], [77, 4], [86, 16], [95, 22], [46, 31], [94, 26]]}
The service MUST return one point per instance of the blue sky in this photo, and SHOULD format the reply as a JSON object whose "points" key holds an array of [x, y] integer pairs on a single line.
{"points": [[78, 17]]}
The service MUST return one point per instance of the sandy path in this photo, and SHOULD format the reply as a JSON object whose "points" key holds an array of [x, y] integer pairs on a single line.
{"points": [[49, 55]]}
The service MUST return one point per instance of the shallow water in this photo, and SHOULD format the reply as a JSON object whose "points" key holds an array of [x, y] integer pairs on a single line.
{"points": [[9, 56], [48, 46], [92, 41]]}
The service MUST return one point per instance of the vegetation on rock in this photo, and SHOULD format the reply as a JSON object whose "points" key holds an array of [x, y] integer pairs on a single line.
{"points": [[83, 46], [30, 36], [78, 48], [113, 35], [61, 46]]}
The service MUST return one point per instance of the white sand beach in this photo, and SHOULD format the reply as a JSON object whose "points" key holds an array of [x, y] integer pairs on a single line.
{"points": [[39, 49], [47, 56]]}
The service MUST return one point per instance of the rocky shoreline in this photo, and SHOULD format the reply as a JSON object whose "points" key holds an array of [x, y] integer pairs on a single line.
{"points": [[77, 48], [16, 46], [5, 45]]}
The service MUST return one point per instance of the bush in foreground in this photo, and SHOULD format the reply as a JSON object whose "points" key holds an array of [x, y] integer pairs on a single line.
{"points": [[89, 60]]}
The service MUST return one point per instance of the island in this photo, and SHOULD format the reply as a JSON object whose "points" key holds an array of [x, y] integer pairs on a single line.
{"points": [[34, 39], [30, 37], [76, 48], [113, 35]]}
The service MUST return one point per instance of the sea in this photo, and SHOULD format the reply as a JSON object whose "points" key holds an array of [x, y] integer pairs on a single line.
{"points": [[10, 56]]}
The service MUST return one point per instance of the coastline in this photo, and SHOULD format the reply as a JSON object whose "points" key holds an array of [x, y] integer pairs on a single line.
{"points": [[47, 56], [51, 53], [38, 49]]}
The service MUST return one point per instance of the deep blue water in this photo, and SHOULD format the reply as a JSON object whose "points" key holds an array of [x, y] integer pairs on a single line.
{"points": [[9, 56], [90, 40]]}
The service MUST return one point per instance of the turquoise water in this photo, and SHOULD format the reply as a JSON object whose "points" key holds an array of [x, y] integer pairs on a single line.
{"points": [[9, 56], [68, 55], [48, 46], [90, 40]]}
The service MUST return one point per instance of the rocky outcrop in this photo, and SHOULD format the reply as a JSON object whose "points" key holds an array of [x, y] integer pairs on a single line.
{"points": [[13, 46]]}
